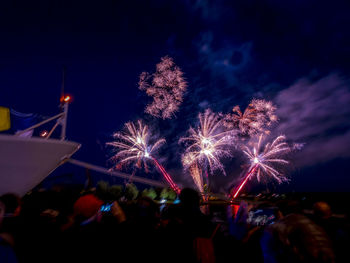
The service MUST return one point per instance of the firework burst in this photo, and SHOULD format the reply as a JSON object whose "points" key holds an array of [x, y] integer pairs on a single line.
{"points": [[264, 159], [259, 115], [265, 111], [166, 86], [245, 121], [133, 147], [208, 143]]}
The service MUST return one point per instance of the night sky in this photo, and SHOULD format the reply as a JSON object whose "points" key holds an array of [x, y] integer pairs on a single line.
{"points": [[294, 53]]}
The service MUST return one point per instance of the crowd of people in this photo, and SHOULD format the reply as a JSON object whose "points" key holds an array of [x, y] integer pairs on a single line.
{"points": [[68, 226]]}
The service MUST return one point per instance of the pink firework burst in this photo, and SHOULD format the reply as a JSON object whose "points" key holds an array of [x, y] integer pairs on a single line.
{"points": [[166, 86], [264, 158], [256, 118], [263, 161]]}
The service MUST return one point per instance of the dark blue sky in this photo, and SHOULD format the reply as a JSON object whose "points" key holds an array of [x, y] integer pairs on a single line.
{"points": [[295, 53]]}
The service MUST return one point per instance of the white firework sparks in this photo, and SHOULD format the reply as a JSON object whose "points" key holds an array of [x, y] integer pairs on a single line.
{"points": [[262, 161], [133, 146], [166, 86], [208, 143]]}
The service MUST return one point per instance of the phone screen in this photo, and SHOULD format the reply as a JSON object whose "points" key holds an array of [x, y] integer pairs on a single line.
{"points": [[261, 217], [106, 208]]}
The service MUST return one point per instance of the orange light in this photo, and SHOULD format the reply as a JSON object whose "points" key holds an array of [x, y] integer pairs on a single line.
{"points": [[67, 98], [43, 134]]}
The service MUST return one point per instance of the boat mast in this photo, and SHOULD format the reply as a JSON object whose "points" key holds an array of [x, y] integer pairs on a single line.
{"points": [[64, 105]]}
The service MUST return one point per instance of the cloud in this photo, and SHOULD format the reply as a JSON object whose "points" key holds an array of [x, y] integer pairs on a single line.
{"points": [[223, 60], [208, 10], [204, 104], [317, 113]]}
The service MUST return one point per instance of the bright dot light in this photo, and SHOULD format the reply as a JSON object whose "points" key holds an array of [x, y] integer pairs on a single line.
{"points": [[273, 118], [256, 160], [206, 151], [146, 154], [67, 98], [205, 141], [43, 134], [139, 140]]}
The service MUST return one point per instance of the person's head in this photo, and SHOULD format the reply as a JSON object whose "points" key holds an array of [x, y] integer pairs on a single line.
{"points": [[301, 240], [287, 207], [189, 198], [322, 210], [12, 204], [87, 206], [147, 209]]}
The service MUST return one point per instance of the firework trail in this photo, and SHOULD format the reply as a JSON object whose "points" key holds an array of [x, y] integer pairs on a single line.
{"points": [[259, 115], [133, 147], [167, 176], [197, 177], [166, 86], [194, 170], [262, 161]]}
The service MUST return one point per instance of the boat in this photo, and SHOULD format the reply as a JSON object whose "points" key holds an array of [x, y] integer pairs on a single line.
{"points": [[25, 161]]}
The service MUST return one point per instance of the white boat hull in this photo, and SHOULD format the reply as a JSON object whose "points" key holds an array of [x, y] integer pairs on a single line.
{"points": [[25, 162]]}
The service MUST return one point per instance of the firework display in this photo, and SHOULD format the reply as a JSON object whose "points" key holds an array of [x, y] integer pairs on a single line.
{"points": [[166, 86], [217, 136], [264, 159]]}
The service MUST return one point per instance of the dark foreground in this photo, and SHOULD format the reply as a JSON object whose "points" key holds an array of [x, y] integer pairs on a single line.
{"points": [[66, 226]]}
